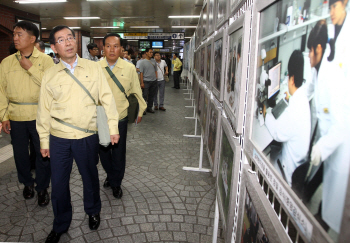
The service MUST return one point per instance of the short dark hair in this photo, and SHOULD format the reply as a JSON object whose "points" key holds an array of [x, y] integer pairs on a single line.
{"points": [[29, 27], [296, 67], [41, 44], [147, 49], [156, 53], [55, 30], [113, 34], [143, 53], [176, 54], [91, 46]]}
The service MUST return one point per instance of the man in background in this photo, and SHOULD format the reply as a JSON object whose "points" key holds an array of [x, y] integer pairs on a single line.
{"points": [[113, 157], [20, 82], [148, 69], [161, 66], [93, 52], [177, 70], [40, 45]]}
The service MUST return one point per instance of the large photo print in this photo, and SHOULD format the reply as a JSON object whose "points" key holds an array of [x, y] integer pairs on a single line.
{"points": [[301, 110]]}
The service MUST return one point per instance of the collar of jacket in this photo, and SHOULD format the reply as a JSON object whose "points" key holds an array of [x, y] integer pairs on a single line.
{"points": [[35, 53], [120, 63], [62, 66]]}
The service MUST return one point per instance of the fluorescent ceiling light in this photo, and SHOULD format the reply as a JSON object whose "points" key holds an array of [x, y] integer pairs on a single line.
{"points": [[40, 1], [81, 17], [98, 37], [43, 28], [188, 37], [184, 16], [144, 27], [75, 27], [165, 40], [184, 27], [132, 40], [105, 27]]}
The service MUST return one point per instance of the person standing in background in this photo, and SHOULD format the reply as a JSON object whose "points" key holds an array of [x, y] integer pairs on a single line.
{"points": [[93, 52], [117, 70], [161, 65], [20, 82], [177, 70], [40, 45]]}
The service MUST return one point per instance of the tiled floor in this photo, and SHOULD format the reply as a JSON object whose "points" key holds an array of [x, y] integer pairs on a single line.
{"points": [[161, 202]]}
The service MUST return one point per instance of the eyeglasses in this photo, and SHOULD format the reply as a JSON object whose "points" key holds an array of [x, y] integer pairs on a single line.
{"points": [[95, 49], [62, 40]]}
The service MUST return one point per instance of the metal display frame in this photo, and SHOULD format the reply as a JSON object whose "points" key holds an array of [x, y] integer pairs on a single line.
{"points": [[211, 3], [213, 104], [205, 11], [268, 218], [298, 215], [220, 22], [201, 49], [237, 116], [228, 220], [218, 93]]}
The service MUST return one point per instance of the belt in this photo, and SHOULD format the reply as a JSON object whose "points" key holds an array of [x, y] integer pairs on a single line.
{"points": [[75, 127], [22, 103]]}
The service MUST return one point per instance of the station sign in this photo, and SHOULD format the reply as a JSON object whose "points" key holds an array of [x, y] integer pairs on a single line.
{"points": [[154, 36]]}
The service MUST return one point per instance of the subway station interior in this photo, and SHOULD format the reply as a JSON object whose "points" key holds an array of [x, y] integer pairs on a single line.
{"points": [[248, 141]]}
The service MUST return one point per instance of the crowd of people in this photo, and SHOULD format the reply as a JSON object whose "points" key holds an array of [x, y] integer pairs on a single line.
{"points": [[51, 104]]}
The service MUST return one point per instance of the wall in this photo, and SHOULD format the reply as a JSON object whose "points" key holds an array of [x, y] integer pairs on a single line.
{"points": [[7, 20]]}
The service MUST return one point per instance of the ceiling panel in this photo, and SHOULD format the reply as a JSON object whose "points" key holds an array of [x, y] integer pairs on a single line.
{"points": [[112, 13]]}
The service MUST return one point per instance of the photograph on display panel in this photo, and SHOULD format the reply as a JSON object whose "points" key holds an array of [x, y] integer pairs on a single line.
{"points": [[202, 61], [236, 70], [227, 175], [298, 110], [204, 21], [234, 4], [257, 222], [211, 18], [221, 11], [204, 114], [208, 63], [214, 123], [218, 65], [200, 100]]}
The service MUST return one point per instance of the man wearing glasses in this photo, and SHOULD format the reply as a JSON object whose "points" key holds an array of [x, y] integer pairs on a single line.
{"points": [[20, 80], [66, 123], [93, 52]]}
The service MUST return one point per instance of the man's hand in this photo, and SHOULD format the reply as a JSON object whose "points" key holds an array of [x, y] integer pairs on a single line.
{"points": [[0, 127], [25, 63], [166, 73], [287, 96], [45, 153], [264, 110], [138, 119], [115, 138], [142, 85], [7, 127]]}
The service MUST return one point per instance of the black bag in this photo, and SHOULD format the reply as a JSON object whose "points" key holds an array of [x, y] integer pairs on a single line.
{"points": [[133, 108], [302, 172]]}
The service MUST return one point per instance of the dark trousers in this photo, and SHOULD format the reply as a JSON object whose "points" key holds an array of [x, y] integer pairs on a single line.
{"points": [[149, 92], [177, 79], [21, 132], [85, 153], [113, 157]]}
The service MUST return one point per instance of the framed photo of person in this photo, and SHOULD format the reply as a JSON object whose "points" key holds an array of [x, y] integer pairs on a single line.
{"points": [[218, 67], [281, 141], [236, 70], [227, 176], [208, 61], [204, 114], [202, 61], [257, 221], [221, 12], [213, 134]]}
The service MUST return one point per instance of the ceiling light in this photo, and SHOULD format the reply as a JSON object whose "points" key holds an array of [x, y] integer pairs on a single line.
{"points": [[98, 37], [75, 27], [132, 40], [144, 27], [188, 37], [165, 40], [81, 17], [183, 16], [40, 1], [43, 28], [184, 27], [105, 27]]}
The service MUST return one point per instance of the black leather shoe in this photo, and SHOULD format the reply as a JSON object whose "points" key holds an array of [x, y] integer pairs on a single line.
{"points": [[150, 110], [117, 192], [53, 237], [28, 192], [106, 183], [43, 198], [94, 221]]}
